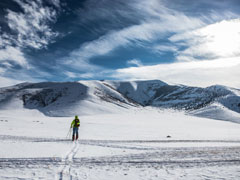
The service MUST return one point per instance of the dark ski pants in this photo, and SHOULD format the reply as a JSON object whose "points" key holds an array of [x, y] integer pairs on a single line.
{"points": [[75, 131]]}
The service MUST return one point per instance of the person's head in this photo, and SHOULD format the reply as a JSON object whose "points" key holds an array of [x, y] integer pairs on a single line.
{"points": [[76, 117]]}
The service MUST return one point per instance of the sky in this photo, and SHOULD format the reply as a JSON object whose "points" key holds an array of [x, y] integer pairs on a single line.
{"points": [[194, 43]]}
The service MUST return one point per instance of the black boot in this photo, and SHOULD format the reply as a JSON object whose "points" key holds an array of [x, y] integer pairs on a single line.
{"points": [[72, 137], [77, 137]]}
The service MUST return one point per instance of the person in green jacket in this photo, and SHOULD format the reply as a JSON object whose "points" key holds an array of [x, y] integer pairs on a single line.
{"points": [[75, 125]]}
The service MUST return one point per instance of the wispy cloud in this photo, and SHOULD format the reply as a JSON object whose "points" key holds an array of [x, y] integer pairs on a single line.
{"points": [[134, 62], [57, 3], [77, 75], [161, 49], [198, 73], [157, 23], [186, 40], [29, 28]]}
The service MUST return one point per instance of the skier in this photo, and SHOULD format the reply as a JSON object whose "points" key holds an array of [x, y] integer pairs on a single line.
{"points": [[75, 125]]}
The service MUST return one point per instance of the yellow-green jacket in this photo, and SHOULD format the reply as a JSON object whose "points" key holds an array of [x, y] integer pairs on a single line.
{"points": [[75, 123]]}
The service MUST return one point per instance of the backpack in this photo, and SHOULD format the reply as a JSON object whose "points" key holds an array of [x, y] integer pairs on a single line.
{"points": [[77, 123]]}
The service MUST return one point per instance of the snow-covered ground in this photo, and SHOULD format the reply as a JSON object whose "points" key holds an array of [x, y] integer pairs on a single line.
{"points": [[128, 145]]}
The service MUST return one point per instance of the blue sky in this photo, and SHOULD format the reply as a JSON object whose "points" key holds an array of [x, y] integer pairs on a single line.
{"points": [[178, 41]]}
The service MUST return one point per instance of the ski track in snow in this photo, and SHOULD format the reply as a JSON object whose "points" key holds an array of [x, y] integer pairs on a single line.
{"points": [[146, 155], [137, 154], [92, 141], [65, 170]]}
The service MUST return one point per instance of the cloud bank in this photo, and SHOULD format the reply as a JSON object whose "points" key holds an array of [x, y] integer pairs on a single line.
{"points": [[199, 73]]}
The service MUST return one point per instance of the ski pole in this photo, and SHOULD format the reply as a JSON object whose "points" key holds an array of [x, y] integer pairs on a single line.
{"points": [[68, 132]]}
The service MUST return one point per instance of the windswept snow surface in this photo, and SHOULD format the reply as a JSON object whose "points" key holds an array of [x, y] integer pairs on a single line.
{"points": [[121, 146]]}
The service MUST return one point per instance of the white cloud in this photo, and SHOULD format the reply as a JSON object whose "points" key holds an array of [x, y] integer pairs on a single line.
{"points": [[78, 63], [29, 28], [114, 39], [165, 48], [4, 40], [10, 53], [199, 73], [32, 26], [218, 40], [135, 62], [158, 21]]}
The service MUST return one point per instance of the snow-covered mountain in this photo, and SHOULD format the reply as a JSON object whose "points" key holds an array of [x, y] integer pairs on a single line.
{"points": [[65, 99], [88, 97]]}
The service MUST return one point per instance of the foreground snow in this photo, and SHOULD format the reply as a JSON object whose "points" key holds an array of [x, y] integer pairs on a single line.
{"points": [[131, 145]]}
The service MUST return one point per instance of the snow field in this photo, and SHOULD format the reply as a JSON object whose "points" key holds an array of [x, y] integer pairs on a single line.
{"points": [[129, 145]]}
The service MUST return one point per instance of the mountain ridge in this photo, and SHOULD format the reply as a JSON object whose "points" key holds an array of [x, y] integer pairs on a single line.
{"points": [[87, 97]]}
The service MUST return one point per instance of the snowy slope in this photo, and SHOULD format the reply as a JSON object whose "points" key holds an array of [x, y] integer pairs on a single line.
{"points": [[140, 91], [215, 102], [91, 97], [64, 99], [159, 94]]}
